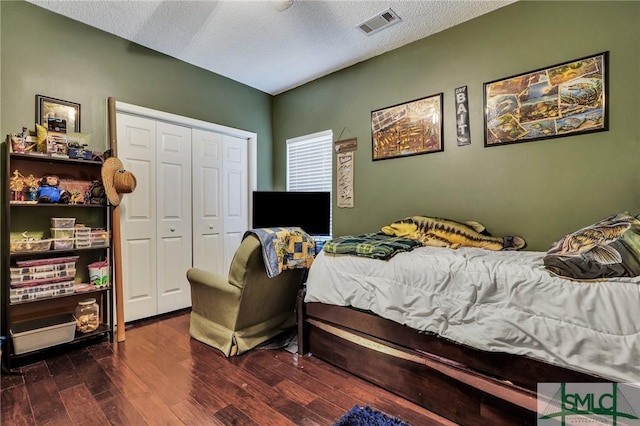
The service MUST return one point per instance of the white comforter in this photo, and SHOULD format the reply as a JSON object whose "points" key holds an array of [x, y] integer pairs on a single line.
{"points": [[495, 301]]}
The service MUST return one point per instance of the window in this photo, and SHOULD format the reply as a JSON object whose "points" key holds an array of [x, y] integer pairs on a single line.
{"points": [[309, 166]]}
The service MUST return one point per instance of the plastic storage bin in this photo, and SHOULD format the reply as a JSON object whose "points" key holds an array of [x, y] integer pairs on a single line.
{"points": [[35, 277], [99, 238], [62, 233], [41, 291], [63, 222], [30, 245], [83, 237], [43, 263], [17, 273], [63, 243], [43, 333]]}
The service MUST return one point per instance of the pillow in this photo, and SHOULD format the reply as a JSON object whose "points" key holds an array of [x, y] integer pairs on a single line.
{"points": [[41, 138], [432, 231], [608, 248]]}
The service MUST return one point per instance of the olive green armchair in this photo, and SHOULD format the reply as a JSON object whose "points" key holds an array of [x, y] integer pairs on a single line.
{"points": [[236, 313]]}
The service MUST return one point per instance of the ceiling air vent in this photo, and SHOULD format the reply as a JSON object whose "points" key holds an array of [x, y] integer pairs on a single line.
{"points": [[379, 22]]}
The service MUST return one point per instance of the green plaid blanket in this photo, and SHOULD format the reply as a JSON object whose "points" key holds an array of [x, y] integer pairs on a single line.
{"points": [[373, 245]]}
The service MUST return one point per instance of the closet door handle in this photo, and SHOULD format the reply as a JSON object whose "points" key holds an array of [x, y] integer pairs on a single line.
{"points": [[172, 229], [210, 226]]}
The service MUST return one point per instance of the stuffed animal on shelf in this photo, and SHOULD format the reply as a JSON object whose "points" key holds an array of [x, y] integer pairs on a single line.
{"points": [[48, 192], [97, 194]]}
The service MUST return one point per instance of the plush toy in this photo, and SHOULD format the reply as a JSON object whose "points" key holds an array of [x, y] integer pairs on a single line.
{"points": [[97, 194], [437, 232], [49, 191]]}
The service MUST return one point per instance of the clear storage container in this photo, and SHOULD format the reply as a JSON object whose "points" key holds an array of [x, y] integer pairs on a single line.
{"points": [[63, 222], [87, 316], [62, 233]]}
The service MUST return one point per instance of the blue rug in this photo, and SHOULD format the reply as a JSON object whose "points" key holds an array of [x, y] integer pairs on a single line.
{"points": [[367, 416]]}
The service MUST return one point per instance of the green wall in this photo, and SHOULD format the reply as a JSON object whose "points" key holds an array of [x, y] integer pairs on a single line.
{"points": [[48, 54], [540, 190]]}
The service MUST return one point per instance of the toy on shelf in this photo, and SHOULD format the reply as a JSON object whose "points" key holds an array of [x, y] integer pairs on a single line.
{"points": [[32, 184], [16, 184], [48, 192]]}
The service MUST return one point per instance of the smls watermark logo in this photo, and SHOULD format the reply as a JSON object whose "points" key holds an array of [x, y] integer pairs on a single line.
{"points": [[613, 404]]}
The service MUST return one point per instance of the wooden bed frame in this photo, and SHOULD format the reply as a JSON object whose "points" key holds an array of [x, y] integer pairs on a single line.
{"points": [[465, 385]]}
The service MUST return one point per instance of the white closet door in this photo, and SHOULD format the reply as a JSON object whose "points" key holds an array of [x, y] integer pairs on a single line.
{"points": [[206, 172], [136, 150], [190, 207], [235, 198], [173, 193]]}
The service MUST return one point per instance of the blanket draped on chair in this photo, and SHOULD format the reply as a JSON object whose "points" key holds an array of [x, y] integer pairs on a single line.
{"points": [[284, 248]]}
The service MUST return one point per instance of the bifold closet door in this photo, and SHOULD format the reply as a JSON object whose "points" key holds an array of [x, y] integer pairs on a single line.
{"points": [[220, 198], [136, 150], [235, 184], [173, 207], [156, 217], [208, 243]]}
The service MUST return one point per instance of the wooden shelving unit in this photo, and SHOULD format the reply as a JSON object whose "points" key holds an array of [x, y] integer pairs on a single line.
{"points": [[35, 217]]}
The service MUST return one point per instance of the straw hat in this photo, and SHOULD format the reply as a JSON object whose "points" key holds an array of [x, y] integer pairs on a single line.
{"points": [[116, 180]]}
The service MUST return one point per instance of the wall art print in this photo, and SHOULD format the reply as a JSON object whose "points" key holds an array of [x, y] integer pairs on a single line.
{"points": [[561, 100], [406, 129], [52, 112]]}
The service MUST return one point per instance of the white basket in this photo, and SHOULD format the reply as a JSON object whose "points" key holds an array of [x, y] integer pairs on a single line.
{"points": [[43, 333]]}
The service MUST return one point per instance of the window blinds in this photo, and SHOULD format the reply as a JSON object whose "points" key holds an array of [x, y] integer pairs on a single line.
{"points": [[309, 165]]}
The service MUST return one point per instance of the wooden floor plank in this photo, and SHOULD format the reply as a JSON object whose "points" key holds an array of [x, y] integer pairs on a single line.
{"points": [[15, 406], [46, 403], [231, 415], [83, 407], [191, 413], [326, 409], [64, 374], [118, 409], [155, 411], [90, 372], [295, 392]]}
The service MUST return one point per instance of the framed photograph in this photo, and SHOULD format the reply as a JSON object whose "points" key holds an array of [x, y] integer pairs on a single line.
{"points": [[560, 100], [57, 115], [411, 128]]}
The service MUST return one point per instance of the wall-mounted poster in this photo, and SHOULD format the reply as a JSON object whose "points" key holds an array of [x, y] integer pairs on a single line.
{"points": [[561, 100], [407, 129]]}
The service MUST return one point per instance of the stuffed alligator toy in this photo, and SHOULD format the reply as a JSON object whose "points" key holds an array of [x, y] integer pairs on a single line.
{"points": [[436, 232]]}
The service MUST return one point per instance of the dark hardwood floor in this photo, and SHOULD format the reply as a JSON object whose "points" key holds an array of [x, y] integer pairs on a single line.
{"points": [[160, 376]]}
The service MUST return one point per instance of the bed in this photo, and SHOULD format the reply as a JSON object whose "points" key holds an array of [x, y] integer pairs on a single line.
{"points": [[469, 333]]}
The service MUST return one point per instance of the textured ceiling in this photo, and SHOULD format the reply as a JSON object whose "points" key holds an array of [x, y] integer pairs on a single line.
{"points": [[255, 44]]}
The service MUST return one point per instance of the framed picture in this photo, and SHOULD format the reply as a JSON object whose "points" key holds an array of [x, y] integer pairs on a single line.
{"points": [[411, 128], [57, 115], [561, 100]]}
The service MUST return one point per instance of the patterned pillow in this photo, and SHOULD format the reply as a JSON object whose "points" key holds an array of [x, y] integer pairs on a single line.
{"points": [[608, 248], [41, 138]]}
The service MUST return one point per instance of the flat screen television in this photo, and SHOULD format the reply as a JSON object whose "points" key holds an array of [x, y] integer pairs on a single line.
{"points": [[311, 211]]}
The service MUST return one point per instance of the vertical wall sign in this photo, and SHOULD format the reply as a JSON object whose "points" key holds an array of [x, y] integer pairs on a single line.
{"points": [[345, 179], [462, 116]]}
